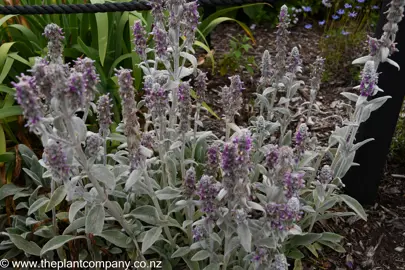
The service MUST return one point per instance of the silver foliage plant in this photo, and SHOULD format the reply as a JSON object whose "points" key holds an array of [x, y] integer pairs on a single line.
{"points": [[170, 191]]}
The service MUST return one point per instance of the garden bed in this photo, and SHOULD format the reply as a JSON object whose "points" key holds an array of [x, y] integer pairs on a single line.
{"points": [[376, 244]]}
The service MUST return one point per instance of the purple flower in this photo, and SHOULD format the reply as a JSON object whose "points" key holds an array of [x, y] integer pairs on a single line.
{"points": [[308, 26], [42, 79], [360, 1], [200, 85], [306, 9], [322, 22], [212, 165], [284, 16], [140, 39], [189, 183], [266, 71], [93, 143], [55, 36], [207, 190], [56, 160], [345, 33], [335, 17], [231, 97], [161, 41], [91, 78], [76, 91], [375, 7], [358, 7], [352, 14], [369, 80], [27, 96], [199, 233], [190, 21], [104, 105], [301, 135], [156, 99], [184, 107], [373, 46], [347, 5], [341, 11], [293, 182], [281, 216]]}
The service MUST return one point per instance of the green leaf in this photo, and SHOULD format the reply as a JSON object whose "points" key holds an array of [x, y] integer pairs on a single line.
{"points": [[26, 32], [9, 189], [304, 240], [298, 265], [168, 193], [10, 111], [117, 238], [57, 197], [117, 61], [57, 242], [6, 68], [4, 48], [332, 237], [220, 20], [104, 175], [295, 254], [95, 219], [150, 238], [354, 205], [6, 18], [37, 205], [194, 95], [180, 252], [212, 266], [102, 32], [313, 250], [245, 236], [6, 89], [77, 224], [25, 245], [146, 213], [200, 255], [5, 156], [74, 208], [333, 246]]}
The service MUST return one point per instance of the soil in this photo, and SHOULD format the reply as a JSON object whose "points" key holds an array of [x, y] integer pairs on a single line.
{"points": [[378, 243]]}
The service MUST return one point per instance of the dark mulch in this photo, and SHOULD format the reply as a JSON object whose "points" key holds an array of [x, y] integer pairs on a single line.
{"points": [[376, 244]]}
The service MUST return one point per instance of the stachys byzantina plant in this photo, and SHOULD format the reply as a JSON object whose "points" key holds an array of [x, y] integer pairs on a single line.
{"points": [[171, 192]]}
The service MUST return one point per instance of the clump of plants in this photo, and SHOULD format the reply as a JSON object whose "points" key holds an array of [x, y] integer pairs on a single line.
{"points": [[236, 60], [171, 190]]}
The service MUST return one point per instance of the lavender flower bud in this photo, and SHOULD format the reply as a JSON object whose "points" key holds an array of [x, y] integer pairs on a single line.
{"points": [[104, 114], [207, 190], [301, 136], [190, 21], [76, 91], [55, 36], [325, 175], [284, 17], [229, 165], [184, 107], [295, 61], [281, 216], [369, 80], [316, 73], [132, 132], [272, 156], [373, 46], [396, 11], [294, 204], [267, 71], [91, 78], [93, 144], [59, 77], [161, 42], [199, 233], [42, 80], [279, 263], [293, 182], [27, 96], [156, 100], [157, 11], [148, 140], [56, 160], [189, 183], [260, 256], [212, 161], [140, 39], [232, 97], [200, 85]]}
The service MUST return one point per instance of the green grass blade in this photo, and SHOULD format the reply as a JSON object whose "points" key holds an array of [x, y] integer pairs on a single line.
{"points": [[102, 32], [10, 111]]}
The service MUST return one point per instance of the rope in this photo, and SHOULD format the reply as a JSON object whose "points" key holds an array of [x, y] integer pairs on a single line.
{"points": [[106, 7]]}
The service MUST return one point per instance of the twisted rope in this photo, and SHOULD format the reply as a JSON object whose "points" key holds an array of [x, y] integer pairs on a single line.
{"points": [[106, 7]]}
